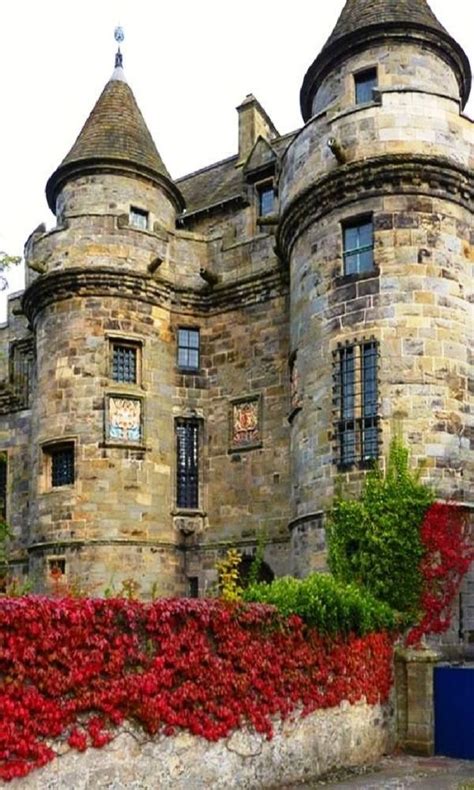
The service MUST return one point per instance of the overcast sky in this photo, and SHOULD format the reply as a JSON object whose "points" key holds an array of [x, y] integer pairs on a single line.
{"points": [[189, 63]]}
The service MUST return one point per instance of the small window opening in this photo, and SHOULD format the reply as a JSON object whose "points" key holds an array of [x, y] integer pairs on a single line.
{"points": [[193, 586], [365, 82], [62, 465], [266, 200], [56, 568], [188, 349], [358, 246], [124, 363], [139, 218]]}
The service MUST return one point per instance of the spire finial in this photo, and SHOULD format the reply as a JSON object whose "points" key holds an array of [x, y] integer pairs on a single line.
{"points": [[119, 36]]}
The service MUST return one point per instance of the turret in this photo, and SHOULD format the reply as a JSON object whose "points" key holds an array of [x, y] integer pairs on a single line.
{"points": [[386, 37], [376, 200], [102, 427]]}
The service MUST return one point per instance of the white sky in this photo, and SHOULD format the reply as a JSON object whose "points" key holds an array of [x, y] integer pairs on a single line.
{"points": [[189, 64]]}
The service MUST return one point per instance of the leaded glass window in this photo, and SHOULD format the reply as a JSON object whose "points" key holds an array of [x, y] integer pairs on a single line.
{"points": [[124, 363], [358, 238], [62, 465], [187, 464], [188, 349], [365, 82], [356, 399]]}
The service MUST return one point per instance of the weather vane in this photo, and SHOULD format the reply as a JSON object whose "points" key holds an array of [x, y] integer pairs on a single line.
{"points": [[119, 36]]}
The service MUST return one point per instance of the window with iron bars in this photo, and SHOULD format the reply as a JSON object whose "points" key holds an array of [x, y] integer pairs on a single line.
{"points": [[3, 485], [21, 371], [125, 363], [187, 464], [356, 402], [62, 465]]}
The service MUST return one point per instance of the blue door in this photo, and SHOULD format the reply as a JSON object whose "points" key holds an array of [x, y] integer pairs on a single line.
{"points": [[454, 711]]}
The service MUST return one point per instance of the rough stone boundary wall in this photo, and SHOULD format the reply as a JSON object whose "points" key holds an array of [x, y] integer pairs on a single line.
{"points": [[300, 750]]}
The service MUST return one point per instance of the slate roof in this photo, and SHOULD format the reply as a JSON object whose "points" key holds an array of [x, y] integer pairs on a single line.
{"points": [[221, 181], [358, 14], [114, 133], [362, 22]]}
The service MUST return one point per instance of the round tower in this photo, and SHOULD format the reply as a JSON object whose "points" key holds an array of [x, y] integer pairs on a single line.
{"points": [[376, 195], [103, 436]]}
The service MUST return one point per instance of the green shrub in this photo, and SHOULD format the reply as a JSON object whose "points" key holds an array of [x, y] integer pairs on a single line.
{"points": [[375, 541], [326, 604]]}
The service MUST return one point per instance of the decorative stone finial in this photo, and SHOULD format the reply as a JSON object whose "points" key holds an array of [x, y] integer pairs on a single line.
{"points": [[119, 36]]}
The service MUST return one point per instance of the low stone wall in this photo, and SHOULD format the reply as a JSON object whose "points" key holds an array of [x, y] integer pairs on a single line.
{"points": [[302, 749]]}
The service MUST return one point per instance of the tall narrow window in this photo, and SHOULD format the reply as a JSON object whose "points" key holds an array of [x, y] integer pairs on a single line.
{"points": [[3, 485], [21, 371], [187, 464], [358, 240], [124, 363], [62, 465], [139, 218], [188, 349], [266, 200], [365, 82], [356, 396]]}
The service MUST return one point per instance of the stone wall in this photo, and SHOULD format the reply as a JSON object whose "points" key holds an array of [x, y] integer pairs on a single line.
{"points": [[302, 749]]}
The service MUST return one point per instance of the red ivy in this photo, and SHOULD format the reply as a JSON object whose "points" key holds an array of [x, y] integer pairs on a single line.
{"points": [[448, 554], [74, 669]]}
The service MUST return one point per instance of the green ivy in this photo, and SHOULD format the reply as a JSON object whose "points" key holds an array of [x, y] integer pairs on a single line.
{"points": [[324, 603], [375, 541]]}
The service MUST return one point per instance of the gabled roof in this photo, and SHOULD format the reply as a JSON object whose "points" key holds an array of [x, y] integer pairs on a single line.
{"points": [[115, 137], [363, 23]]}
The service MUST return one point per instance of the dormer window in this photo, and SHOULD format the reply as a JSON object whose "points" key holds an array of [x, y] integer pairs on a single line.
{"points": [[266, 199], [365, 82], [139, 218]]}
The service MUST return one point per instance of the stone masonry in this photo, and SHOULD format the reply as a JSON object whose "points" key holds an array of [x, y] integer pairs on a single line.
{"points": [[251, 252]]}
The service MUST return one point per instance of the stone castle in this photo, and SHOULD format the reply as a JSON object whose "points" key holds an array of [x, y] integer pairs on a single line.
{"points": [[194, 363]]}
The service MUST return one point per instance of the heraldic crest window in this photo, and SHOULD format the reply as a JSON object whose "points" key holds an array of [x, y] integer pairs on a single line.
{"points": [[356, 402]]}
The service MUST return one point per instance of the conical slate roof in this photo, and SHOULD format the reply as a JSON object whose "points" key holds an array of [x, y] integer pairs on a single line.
{"points": [[366, 22], [115, 137], [358, 14]]}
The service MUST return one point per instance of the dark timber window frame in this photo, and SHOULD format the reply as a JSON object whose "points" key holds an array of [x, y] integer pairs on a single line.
{"points": [[358, 246], [187, 463], [189, 349], [139, 218], [356, 403], [365, 82]]}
